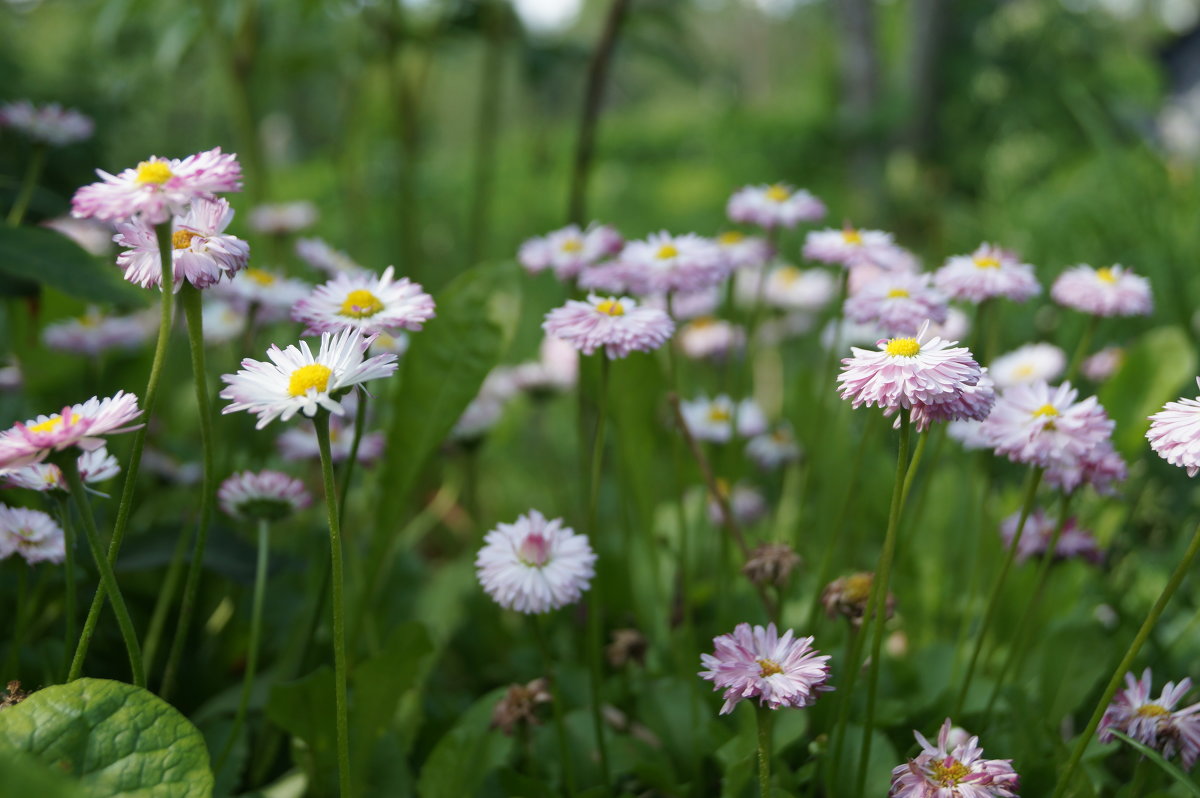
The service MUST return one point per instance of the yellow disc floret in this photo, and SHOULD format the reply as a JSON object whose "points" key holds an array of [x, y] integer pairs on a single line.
{"points": [[767, 667], [156, 172], [949, 775], [1046, 410], [851, 236], [360, 304], [718, 414], [572, 245], [1106, 275], [259, 276], [309, 377], [787, 274], [1151, 711], [987, 262], [903, 347], [611, 307], [54, 422], [182, 239], [732, 237], [897, 293], [667, 251], [777, 193]]}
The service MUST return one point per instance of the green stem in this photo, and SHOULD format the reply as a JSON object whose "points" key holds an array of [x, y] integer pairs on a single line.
{"points": [[560, 725], [878, 598], [595, 605], [763, 718], [1085, 342], [149, 400], [107, 578], [321, 422], [32, 172], [189, 297], [1035, 479], [1126, 663], [69, 586], [260, 589]]}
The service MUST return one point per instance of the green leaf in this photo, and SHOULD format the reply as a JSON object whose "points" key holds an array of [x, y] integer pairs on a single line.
{"points": [[462, 758], [119, 740], [304, 708], [55, 261], [1155, 757], [380, 682], [1154, 370], [24, 775]]}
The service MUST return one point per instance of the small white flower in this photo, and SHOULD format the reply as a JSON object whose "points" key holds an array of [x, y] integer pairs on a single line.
{"points": [[1027, 364], [533, 565], [713, 420]]}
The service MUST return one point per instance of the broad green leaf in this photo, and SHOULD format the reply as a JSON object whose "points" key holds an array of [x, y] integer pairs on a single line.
{"points": [[304, 708], [21, 774], [117, 739], [53, 260], [1155, 370], [462, 758]]}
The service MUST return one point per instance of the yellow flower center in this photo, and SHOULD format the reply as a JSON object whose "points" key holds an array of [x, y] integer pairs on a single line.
{"points": [[1024, 371], [360, 304], [702, 323], [777, 193], [788, 274], [307, 377], [54, 422], [903, 347], [156, 172], [611, 307], [987, 262], [857, 588], [572, 245], [1106, 275], [1047, 411], [718, 414], [897, 293], [182, 239], [767, 667], [732, 237], [259, 276], [1151, 711], [950, 775], [667, 251], [851, 236]]}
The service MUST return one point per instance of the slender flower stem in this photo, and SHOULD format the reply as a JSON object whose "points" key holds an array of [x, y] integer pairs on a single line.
{"points": [[595, 603], [1126, 663], [1035, 479], [69, 587], [560, 725], [1085, 342], [149, 400], [878, 598], [189, 297], [321, 422], [107, 578], [32, 172], [360, 422], [260, 589], [763, 717]]}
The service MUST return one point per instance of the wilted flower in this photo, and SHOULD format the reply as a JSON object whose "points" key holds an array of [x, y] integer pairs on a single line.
{"points": [[93, 333], [898, 303], [1175, 433], [987, 273], [771, 564], [533, 565], [1155, 723], [1039, 529], [773, 449], [757, 662], [201, 253], [32, 534], [958, 771], [713, 420], [158, 187], [82, 425], [266, 495], [50, 124], [776, 205], [283, 218], [365, 302], [519, 705], [569, 251], [1030, 363], [619, 326], [848, 596], [1110, 291]]}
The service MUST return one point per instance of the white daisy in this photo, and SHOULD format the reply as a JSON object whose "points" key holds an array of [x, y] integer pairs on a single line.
{"points": [[533, 565], [365, 302]]}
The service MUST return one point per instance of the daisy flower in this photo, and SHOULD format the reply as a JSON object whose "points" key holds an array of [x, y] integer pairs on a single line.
{"points": [[974, 403], [1030, 363], [1046, 427], [32, 534], [956, 327], [555, 370], [986, 273], [753, 662], [908, 372], [1110, 291], [953, 771], [297, 381], [791, 288], [898, 303], [777, 205], [365, 302], [94, 333], [1039, 529], [322, 257], [201, 253], [746, 502], [742, 251], [713, 419], [688, 305], [569, 251], [159, 187], [94, 466], [620, 326], [1101, 467], [49, 124], [267, 495], [1102, 365], [710, 338], [82, 425], [533, 565], [1155, 722], [1175, 433], [665, 263], [773, 449], [852, 248], [222, 321], [273, 293], [283, 218]]}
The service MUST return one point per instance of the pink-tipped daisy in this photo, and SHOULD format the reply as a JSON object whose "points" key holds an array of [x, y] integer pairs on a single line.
{"points": [[49, 124], [1101, 467], [898, 303], [953, 770], [32, 534], [756, 662], [296, 380], [94, 333], [618, 325], [569, 251], [713, 419], [1039, 362], [533, 565], [1155, 722], [1044, 426], [852, 248], [1073, 541], [1175, 433], [366, 302], [987, 273], [159, 187], [283, 218], [776, 205], [664, 263], [82, 425], [974, 403], [201, 253], [909, 372], [266, 495], [1110, 291], [94, 466], [742, 251]]}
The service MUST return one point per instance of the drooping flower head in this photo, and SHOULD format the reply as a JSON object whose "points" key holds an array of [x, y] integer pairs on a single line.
{"points": [[283, 218], [82, 425], [1175, 433], [1109, 291], [618, 325], [852, 248], [756, 662], [1039, 362], [1043, 426], [32, 534], [94, 332], [1155, 722], [714, 419], [533, 565], [201, 252], [296, 380], [1073, 541], [159, 187], [569, 251], [267, 495], [953, 770], [664, 263], [776, 205], [94, 466], [987, 273], [897, 303], [365, 302], [49, 124]]}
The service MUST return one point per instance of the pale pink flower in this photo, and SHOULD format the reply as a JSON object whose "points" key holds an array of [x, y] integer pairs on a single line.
{"points": [[619, 326], [159, 187], [82, 425], [1043, 426], [898, 303], [1039, 529], [300, 442], [272, 294], [953, 771], [756, 662], [742, 251], [1101, 467], [790, 288], [50, 124], [956, 327], [1103, 364], [283, 217], [986, 273], [533, 565], [1155, 722], [32, 534], [975, 403], [852, 248], [777, 205], [94, 333], [322, 257], [969, 434], [1110, 291], [664, 263], [365, 302], [555, 370], [569, 251], [1175, 433], [94, 466], [201, 253], [710, 338], [91, 235], [1039, 362], [267, 495]]}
